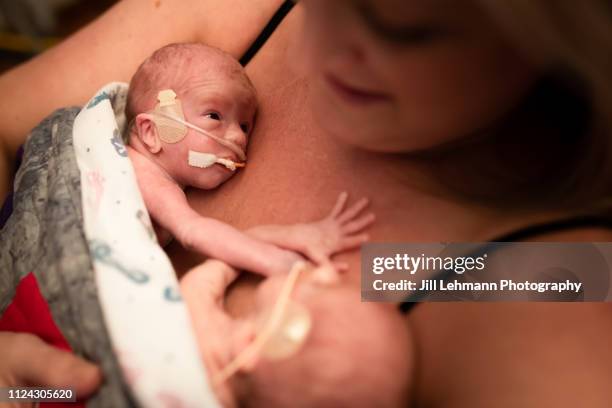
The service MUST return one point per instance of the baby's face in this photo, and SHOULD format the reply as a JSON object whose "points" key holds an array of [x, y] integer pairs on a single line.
{"points": [[223, 106], [377, 358], [364, 344]]}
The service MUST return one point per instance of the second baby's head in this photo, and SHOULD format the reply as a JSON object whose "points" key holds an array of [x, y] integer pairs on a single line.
{"points": [[214, 94]]}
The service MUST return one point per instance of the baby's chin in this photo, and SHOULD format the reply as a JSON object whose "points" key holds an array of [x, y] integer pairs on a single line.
{"points": [[211, 178]]}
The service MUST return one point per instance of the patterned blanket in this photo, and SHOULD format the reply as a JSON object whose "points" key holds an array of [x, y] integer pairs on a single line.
{"points": [[80, 266]]}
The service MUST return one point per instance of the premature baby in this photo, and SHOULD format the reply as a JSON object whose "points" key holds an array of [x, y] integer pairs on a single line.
{"points": [[192, 109], [306, 342]]}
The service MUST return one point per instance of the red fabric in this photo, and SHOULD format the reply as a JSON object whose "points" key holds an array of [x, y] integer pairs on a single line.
{"points": [[29, 313]]}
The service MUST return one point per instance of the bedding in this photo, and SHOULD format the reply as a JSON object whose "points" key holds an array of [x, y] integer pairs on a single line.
{"points": [[80, 240]]}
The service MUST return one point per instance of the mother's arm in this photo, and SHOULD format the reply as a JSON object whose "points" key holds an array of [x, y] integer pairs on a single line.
{"points": [[110, 49]]}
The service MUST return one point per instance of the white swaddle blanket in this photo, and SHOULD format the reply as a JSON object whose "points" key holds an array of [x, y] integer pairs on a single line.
{"points": [[146, 318]]}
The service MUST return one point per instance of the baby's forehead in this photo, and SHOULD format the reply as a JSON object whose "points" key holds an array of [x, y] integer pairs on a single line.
{"points": [[183, 68], [217, 84]]}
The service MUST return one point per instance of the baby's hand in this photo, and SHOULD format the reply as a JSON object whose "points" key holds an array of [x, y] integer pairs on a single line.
{"points": [[282, 263], [341, 230]]}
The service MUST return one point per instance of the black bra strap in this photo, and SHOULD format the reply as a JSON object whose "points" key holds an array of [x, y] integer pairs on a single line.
{"points": [[584, 221], [276, 19]]}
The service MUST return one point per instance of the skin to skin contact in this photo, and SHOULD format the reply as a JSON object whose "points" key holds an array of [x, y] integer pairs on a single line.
{"points": [[300, 184], [222, 101]]}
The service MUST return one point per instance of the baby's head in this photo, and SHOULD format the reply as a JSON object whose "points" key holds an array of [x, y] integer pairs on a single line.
{"points": [[355, 355], [213, 94]]}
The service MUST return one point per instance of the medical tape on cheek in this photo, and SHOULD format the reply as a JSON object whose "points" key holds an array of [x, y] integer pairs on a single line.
{"points": [[291, 332], [170, 120], [165, 115], [203, 160], [285, 330], [232, 146]]}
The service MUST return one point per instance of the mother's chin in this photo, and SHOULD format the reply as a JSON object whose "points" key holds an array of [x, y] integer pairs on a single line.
{"points": [[371, 121]]}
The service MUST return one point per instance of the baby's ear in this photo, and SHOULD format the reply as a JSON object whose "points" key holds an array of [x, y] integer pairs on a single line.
{"points": [[147, 132]]}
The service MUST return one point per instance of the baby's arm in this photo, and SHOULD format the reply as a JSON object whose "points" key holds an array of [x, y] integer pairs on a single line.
{"points": [[341, 230], [168, 206]]}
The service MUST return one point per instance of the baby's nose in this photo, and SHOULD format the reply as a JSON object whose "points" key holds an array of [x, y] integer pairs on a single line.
{"points": [[235, 135]]}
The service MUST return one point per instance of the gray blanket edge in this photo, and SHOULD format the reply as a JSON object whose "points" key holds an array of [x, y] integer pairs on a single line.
{"points": [[45, 236]]}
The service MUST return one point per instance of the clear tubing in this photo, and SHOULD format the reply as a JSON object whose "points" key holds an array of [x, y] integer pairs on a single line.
{"points": [[232, 146], [269, 329]]}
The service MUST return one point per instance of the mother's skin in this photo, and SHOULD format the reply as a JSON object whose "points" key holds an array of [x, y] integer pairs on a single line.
{"points": [[466, 354]]}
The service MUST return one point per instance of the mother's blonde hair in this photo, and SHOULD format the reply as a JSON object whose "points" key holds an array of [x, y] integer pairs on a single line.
{"points": [[575, 36], [564, 161]]}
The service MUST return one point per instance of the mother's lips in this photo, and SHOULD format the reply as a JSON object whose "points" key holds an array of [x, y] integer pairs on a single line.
{"points": [[355, 95]]}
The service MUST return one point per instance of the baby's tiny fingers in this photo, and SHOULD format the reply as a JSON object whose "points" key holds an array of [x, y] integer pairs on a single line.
{"points": [[359, 224], [339, 206], [353, 211], [352, 242]]}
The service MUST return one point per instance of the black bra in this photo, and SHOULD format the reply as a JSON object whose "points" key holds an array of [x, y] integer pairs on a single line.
{"points": [[584, 221]]}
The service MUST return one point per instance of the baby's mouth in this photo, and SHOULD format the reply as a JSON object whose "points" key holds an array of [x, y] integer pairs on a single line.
{"points": [[205, 160], [229, 163]]}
